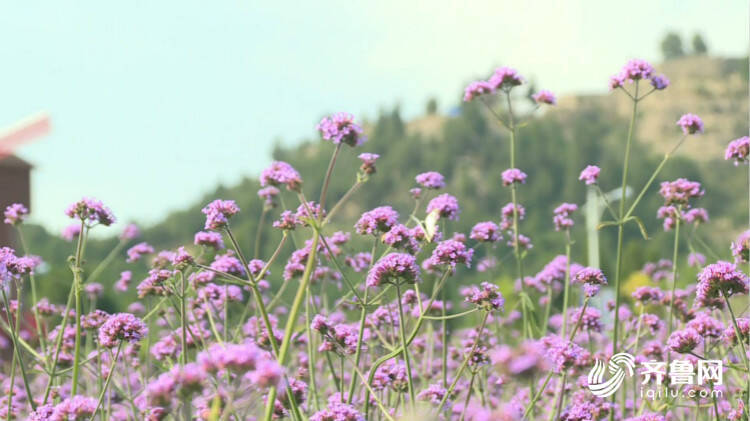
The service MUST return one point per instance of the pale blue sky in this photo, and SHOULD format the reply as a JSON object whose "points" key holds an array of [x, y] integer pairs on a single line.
{"points": [[155, 102]]}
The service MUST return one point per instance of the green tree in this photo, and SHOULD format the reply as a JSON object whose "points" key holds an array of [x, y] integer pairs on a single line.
{"points": [[671, 46], [699, 46], [432, 106]]}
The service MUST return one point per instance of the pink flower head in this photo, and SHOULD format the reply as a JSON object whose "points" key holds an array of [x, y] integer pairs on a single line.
{"points": [[451, 253], [659, 82], [545, 97], [92, 211], [268, 194], [636, 69], [340, 128], [121, 327], [590, 174], [137, 251], [741, 248], [15, 214], [486, 232], [446, 206], [378, 220], [130, 232], [280, 173], [680, 191], [562, 219], [505, 78], [476, 89], [71, 231], [431, 180], [209, 239], [394, 268], [717, 281], [368, 162], [513, 175], [218, 213], [690, 124], [684, 341], [738, 149]]}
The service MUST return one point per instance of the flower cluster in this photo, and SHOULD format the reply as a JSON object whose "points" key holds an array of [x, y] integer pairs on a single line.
{"points": [[718, 281], [121, 327], [340, 128], [562, 219], [91, 211], [280, 173], [15, 214], [431, 180], [445, 205], [394, 268], [218, 213]]}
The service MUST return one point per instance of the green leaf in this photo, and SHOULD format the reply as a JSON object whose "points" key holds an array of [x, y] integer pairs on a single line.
{"points": [[607, 224], [640, 226]]}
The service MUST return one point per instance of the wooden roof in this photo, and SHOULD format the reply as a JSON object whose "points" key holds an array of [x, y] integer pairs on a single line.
{"points": [[12, 161]]}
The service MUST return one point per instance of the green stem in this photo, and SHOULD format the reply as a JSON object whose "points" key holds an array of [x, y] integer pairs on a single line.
{"points": [[620, 229], [58, 345], [106, 383], [358, 352], [16, 348], [444, 341], [402, 326], [566, 287], [259, 232], [327, 179], [468, 395], [380, 361], [32, 279], [670, 322], [343, 200], [77, 287], [183, 317], [291, 321], [464, 363]]}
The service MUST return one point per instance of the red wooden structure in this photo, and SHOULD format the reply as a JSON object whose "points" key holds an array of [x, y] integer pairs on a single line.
{"points": [[15, 173]]}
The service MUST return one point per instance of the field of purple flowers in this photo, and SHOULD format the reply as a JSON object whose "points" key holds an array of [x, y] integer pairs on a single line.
{"points": [[366, 336]]}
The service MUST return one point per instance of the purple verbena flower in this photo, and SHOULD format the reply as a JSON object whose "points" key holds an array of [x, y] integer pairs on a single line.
{"points": [[717, 281], [589, 174], [279, 173], [739, 150], [513, 175], [121, 327], [368, 162], [431, 180], [91, 211], [562, 219], [394, 268], [445, 205], [476, 89], [544, 97], [15, 214], [209, 239], [137, 251], [218, 213], [505, 78], [378, 220], [340, 128], [684, 341], [690, 124], [486, 232]]}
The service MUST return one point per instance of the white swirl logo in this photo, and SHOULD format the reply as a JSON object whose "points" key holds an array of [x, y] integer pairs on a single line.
{"points": [[618, 365]]}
